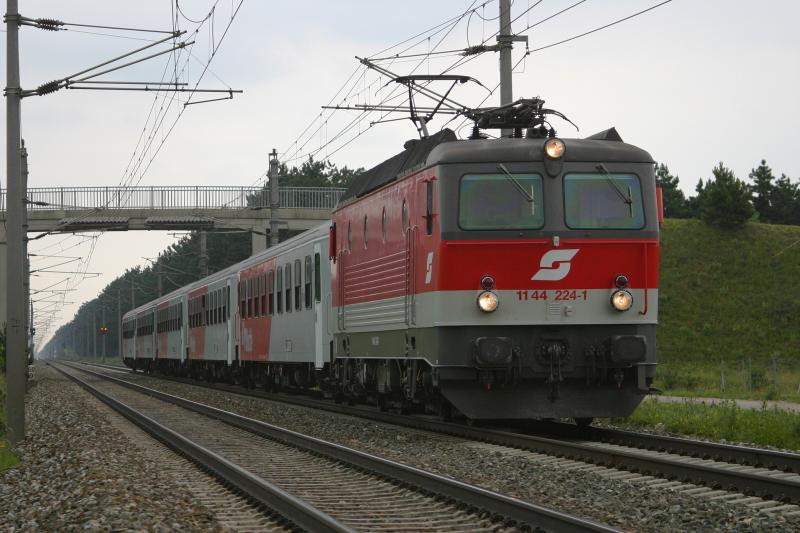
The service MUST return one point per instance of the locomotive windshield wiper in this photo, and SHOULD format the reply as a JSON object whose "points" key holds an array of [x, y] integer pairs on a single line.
{"points": [[525, 194], [627, 199]]}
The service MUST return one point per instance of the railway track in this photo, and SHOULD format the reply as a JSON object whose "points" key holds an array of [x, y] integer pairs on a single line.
{"points": [[315, 484], [751, 472]]}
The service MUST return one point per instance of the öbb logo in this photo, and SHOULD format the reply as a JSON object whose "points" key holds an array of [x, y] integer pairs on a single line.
{"points": [[554, 265]]}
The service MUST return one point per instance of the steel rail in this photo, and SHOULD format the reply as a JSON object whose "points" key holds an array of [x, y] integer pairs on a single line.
{"points": [[672, 467], [257, 489], [512, 509], [746, 455]]}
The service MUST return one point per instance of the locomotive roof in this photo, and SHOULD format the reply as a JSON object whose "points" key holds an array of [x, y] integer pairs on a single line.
{"points": [[444, 147], [414, 156]]}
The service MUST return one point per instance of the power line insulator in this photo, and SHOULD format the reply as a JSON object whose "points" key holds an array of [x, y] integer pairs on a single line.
{"points": [[49, 87], [49, 24]]}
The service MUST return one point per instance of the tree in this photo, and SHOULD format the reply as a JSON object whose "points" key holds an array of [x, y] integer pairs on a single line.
{"points": [[763, 189], [694, 204], [317, 174], [726, 201], [785, 208], [674, 200]]}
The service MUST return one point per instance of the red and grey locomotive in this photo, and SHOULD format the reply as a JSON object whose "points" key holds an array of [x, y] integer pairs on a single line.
{"points": [[505, 278]]}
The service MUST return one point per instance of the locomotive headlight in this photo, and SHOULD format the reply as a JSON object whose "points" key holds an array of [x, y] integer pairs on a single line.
{"points": [[621, 300], [487, 301], [554, 148]]}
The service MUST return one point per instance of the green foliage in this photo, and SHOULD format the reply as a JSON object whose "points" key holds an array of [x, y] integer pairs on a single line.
{"points": [[728, 294], [777, 201], [725, 200], [2, 349], [785, 202], [761, 188], [675, 205], [770, 427], [314, 173]]}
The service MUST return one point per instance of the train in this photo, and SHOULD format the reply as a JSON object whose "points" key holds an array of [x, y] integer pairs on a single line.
{"points": [[487, 278]]}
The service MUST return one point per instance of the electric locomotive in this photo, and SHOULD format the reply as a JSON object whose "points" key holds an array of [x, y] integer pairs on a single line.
{"points": [[509, 278]]}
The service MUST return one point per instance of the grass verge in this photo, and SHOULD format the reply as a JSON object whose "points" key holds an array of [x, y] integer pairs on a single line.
{"points": [[767, 427], [7, 459]]}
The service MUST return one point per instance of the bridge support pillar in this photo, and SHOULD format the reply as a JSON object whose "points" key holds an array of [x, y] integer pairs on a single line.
{"points": [[3, 270], [258, 240]]}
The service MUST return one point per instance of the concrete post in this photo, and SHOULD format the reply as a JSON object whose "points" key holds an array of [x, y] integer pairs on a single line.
{"points": [[274, 198], [203, 254], [506, 94], [119, 323], [103, 324], [16, 363]]}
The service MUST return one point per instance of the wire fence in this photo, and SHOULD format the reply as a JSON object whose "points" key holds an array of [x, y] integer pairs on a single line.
{"points": [[178, 197]]}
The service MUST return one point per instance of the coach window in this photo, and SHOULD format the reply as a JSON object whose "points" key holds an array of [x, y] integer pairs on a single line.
{"points": [[250, 297], [383, 224], [317, 278], [298, 282], [288, 282], [219, 306], [307, 288], [242, 287], [279, 288], [365, 231], [216, 307], [271, 292], [263, 294], [405, 216], [349, 237], [257, 296], [226, 296], [204, 311], [180, 315]]}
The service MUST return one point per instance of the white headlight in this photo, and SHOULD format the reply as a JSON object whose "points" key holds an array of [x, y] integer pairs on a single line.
{"points": [[487, 301], [621, 300], [554, 148]]}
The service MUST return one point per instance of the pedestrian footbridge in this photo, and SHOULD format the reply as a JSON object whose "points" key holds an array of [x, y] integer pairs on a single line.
{"points": [[76, 209]]}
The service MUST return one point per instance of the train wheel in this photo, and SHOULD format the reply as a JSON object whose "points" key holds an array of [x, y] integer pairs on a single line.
{"points": [[584, 421], [380, 402], [445, 411]]}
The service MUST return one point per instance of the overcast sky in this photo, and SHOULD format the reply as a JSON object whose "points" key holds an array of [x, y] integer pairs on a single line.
{"points": [[694, 83]]}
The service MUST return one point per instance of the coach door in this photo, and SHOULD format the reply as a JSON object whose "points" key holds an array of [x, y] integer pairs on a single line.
{"points": [[316, 301]]}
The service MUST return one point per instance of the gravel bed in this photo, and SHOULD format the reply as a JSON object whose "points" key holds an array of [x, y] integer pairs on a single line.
{"points": [[628, 506], [77, 472]]}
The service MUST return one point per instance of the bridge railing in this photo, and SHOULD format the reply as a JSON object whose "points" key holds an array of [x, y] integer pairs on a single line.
{"points": [[178, 197]]}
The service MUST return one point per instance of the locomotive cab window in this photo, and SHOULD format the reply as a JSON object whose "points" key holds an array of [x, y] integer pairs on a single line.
{"points": [[429, 207], [500, 201], [603, 201]]}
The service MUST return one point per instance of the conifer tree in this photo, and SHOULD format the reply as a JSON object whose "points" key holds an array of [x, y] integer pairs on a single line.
{"points": [[726, 200], [673, 198], [763, 189]]}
